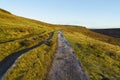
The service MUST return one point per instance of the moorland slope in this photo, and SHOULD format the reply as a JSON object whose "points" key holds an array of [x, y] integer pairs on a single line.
{"points": [[98, 53]]}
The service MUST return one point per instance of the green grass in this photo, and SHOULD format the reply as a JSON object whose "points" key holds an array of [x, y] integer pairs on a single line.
{"points": [[18, 45], [99, 54], [14, 27], [87, 32], [18, 33], [34, 65], [100, 59], [19, 30]]}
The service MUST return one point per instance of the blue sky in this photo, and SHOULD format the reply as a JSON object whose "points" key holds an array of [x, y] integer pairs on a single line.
{"points": [[89, 13]]}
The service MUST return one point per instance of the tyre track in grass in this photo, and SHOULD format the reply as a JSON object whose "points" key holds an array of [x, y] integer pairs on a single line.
{"points": [[65, 65], [9, 61]]}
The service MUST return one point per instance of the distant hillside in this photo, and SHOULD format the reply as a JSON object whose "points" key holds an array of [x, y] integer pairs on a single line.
{"points": [[109, 32]]}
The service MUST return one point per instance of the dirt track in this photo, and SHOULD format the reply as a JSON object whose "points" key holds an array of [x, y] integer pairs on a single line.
{"points": [[65, 66]]}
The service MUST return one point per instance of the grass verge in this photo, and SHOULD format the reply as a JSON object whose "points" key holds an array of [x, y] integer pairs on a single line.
{"points": [[34, 65]]}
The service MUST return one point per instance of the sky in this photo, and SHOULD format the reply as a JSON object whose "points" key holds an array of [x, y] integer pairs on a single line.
{"points": [[89, 13]]}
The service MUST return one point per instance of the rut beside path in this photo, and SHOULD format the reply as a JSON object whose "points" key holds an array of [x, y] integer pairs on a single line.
{"points": [[65, 65], [9, 61]]}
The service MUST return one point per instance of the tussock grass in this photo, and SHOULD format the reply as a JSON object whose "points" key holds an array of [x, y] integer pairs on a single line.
{"points": [[99, 54], [100, 59], [14, 27], [87, 32], [18, 45], [34, 65], [17, 33]]}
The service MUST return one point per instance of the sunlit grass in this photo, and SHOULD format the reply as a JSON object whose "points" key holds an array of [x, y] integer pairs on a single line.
{"points": [[87, 32], [99, 54], [35, 64], [14, 27], [15, 30], [18, 45], [100, 59]]}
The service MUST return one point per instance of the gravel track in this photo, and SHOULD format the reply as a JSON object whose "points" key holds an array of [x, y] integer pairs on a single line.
{"points": [[65, 65]]}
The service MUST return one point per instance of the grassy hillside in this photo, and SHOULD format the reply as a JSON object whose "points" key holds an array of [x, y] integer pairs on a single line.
{"points": [[99, 54], [89, 33], [17, 34], [15, 30], [13, 27], [34, 65], [100, 58]]}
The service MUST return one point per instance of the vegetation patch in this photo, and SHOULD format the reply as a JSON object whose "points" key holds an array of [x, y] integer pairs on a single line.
{"points": [[34, 65], [99, 58]]}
